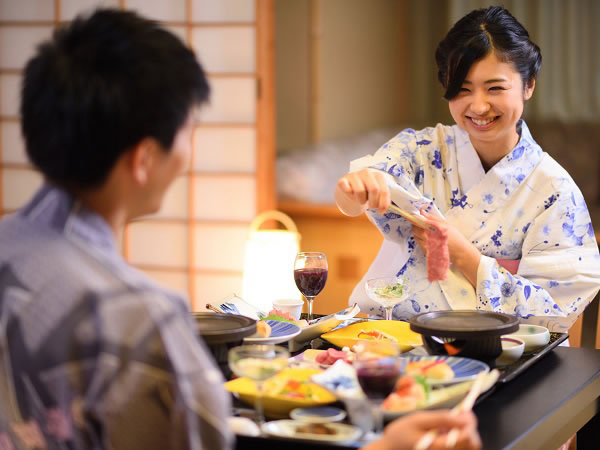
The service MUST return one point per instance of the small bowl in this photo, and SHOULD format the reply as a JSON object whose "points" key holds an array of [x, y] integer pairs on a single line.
{"points": [[291, 305], [322, 414], [512, 350], [534, 336]]}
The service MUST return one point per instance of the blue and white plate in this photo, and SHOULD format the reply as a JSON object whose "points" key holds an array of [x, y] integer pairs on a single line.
{"points": [[464, 369], [280, 332]]}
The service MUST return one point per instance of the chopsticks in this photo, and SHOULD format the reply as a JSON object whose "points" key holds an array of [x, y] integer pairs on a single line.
{"points": [[412, 218], [213, 308], [482, 383]]}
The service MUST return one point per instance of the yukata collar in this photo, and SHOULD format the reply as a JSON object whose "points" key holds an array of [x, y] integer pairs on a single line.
{"points": [[59, 210]]}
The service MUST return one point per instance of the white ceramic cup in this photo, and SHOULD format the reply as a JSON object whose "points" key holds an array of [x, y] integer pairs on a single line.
{"points": [[291, 305]]}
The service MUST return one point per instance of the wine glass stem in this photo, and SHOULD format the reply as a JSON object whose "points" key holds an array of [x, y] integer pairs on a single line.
{"points": [[388, 313], [259, 404], [310, 305], [377, 418]]}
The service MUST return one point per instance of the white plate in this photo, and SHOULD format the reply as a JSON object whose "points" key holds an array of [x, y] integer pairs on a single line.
{"points": [[287, 429], [442, 398], [280, 332]]}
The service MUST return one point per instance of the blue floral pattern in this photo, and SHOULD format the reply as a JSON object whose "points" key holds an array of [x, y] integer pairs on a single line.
{"points": [[526, 207]]}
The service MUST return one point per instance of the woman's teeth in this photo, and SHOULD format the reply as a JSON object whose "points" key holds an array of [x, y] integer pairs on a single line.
{"points": [[482, 123]]}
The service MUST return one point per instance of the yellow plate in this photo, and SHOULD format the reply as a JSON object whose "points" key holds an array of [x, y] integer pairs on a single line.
{"points": [[348, 336], [278, 406]]}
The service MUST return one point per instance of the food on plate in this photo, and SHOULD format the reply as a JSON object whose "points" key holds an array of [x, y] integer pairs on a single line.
{"points": [[263, 329], [330, 356], [316, 428], [410, 393], [293, 389], [390, 291], [438, 257], [376, 335], [284, 316], [438, 369]]}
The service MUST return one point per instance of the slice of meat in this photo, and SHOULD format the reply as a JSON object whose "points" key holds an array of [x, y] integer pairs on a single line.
{"points": [[438, 257]]}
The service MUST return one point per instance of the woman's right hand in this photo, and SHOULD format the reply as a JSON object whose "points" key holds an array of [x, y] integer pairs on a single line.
{"points": [[406, 432], [363, 189]]}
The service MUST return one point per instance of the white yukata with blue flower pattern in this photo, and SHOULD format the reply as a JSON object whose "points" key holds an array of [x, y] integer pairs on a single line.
{"points": [[525, 208]]}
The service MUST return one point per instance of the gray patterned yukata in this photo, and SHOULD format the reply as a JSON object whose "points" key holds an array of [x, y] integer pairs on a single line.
{"points": [[93, 353]]}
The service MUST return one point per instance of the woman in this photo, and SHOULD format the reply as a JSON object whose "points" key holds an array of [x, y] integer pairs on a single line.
{"points": [[520, 236]]}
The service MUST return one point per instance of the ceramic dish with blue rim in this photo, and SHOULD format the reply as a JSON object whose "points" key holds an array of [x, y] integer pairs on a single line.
{"points": [[280, 332], [465, 369]]}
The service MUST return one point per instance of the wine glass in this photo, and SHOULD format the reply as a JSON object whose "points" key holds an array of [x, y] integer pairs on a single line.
{"points": [[259, 363], [388, 292], [377, 378], [310, 275]]}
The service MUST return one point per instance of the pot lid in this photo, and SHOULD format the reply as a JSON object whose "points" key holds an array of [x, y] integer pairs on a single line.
{"points": [[464, 323], [222, 328]]}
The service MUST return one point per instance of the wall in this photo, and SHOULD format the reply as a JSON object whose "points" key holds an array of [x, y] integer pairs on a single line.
{"points": [[338, 68], [196, 243]]}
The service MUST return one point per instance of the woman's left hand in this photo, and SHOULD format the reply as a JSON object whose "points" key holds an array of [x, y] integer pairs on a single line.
{"points": [[463, 253]]}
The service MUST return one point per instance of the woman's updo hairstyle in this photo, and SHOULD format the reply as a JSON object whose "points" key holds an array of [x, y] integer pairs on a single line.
{"points": [[476, 35]]}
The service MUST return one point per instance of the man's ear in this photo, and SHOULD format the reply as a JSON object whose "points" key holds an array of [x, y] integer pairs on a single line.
{"points": [[142, 158], [529, 90]]}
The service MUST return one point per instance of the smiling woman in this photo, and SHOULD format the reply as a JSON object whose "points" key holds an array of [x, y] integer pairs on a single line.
{"points": [[486, 179]]}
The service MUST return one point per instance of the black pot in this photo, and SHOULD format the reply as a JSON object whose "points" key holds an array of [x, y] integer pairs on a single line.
{"points": [[468, 333], [222, 332]]}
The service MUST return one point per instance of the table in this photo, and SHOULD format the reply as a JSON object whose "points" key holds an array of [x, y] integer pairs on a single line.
{"points": [[540, 409]]}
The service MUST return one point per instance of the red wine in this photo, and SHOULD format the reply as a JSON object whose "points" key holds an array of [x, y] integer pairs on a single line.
{"points": [[377, 382], [310, 281]]}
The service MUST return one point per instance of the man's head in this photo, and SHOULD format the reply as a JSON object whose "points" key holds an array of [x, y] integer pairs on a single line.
{"points": [[103, 85]]}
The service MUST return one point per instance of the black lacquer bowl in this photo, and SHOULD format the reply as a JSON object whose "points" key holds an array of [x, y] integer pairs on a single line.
{"points": [[468, 333], [222, 332]]}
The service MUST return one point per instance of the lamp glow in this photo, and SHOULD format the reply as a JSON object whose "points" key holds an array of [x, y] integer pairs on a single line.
{"points": [[269, 262]]}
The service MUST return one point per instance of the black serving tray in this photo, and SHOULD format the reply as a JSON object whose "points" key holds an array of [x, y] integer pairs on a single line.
{"points": [[509, 372]]}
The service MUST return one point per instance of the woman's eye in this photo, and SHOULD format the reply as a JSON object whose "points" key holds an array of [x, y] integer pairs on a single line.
{"points": [[463, 89], [496, 88]]}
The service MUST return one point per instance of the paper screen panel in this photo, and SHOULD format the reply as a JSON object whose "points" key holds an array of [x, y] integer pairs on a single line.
{"points": [[12, 144], [220, 246], [158, 244], [211, 288], [229, 49], [18, 185], [175, 202], [225, 149], [26, 10], [18, 44], [233, 100], [174, 280], [223, 10], [167, 11], [69, 9], [224, 198], [10, 87]]}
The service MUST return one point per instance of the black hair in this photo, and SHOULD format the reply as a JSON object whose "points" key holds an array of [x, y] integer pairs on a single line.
{"points": [[475, 36], [99, 86]]}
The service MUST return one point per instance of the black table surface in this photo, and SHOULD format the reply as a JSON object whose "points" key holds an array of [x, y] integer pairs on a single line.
{"points": [[539, 409]]}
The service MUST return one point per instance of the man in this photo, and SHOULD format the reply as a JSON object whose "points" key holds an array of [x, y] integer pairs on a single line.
{"points": [[94, 354]]}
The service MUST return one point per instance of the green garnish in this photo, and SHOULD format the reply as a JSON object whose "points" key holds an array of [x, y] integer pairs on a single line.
{"points": [[278, 318], [390, 291], [423, 382]]}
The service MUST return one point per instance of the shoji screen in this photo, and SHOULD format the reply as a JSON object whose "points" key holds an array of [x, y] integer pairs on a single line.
{"points": [[195, 244]]}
